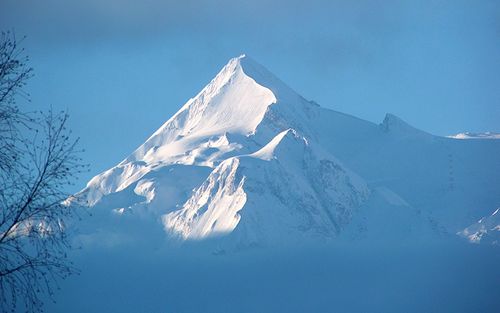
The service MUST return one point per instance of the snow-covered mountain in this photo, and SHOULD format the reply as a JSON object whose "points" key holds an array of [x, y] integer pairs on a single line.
{"points": [[250, 160], [469, 135], [487, 229]]}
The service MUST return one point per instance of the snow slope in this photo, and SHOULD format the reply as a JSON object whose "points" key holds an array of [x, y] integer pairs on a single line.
{"points": [[286, 189], [487, 229], [250, 160], [468, 135]]}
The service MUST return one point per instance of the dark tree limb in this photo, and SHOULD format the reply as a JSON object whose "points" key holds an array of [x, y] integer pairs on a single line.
{"points": [[38, 161]]}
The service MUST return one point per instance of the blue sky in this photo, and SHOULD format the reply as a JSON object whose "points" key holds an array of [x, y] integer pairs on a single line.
{"points": [[123, 67]]}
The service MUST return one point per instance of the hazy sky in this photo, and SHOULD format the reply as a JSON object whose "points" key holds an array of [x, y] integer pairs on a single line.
{"points": [[123, 67]]}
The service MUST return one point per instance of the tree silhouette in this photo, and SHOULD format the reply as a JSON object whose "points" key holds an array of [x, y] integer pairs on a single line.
{"points": [[38, 160]]}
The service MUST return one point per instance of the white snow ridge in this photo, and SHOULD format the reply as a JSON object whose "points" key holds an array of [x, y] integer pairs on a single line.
{"points": [[251, 161], [469, 135]]}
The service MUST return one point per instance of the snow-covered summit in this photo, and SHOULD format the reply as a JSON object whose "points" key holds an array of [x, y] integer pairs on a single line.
{"points": [[395, 124], [269, 151], [251, 160], [231, 103], [470, 135], [221, 121], [487, 229]]}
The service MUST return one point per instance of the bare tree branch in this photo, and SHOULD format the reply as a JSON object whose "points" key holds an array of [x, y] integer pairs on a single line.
{"points": [[38, 160]]}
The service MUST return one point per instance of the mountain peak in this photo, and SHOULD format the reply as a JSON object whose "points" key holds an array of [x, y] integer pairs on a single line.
{"points": [[244, 60], [268, 152], [235, 102], [247, 64], [262, 76], [392, 121], [394, 124]]}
